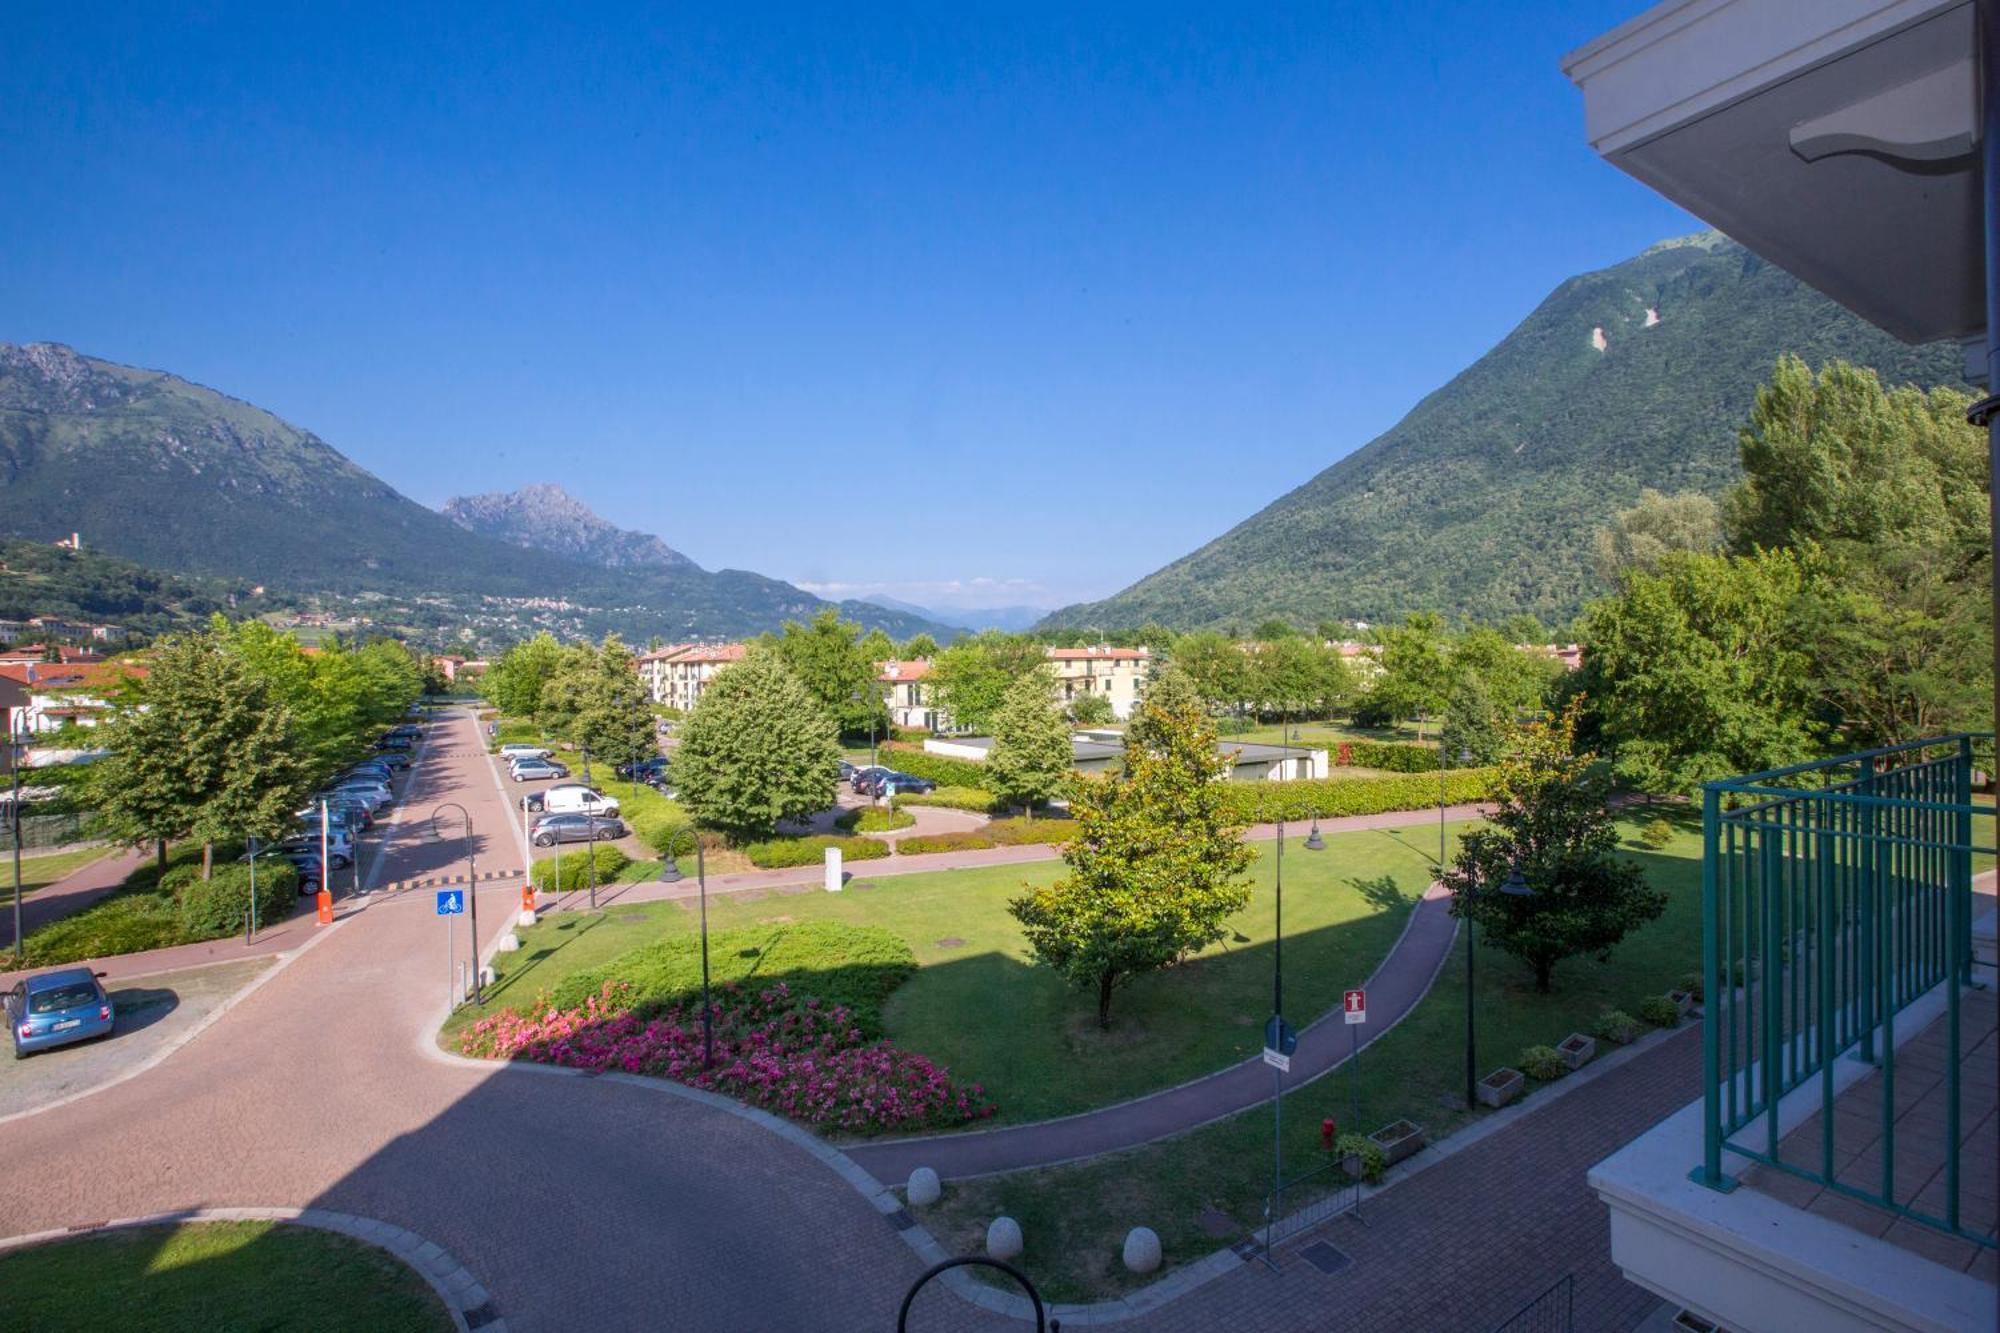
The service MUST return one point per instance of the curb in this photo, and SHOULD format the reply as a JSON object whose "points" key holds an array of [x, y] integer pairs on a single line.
{"points": [[468, 1303]]}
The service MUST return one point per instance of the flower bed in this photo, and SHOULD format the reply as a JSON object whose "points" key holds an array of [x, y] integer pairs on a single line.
{"points": [[791, 1055]]}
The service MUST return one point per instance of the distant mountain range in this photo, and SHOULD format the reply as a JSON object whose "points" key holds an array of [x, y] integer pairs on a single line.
{"points": [[1482, 501], [179, 477], [1009, 618]]}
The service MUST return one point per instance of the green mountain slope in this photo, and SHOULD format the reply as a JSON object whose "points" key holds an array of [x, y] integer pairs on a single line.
{"points": [[1481, 502], [176, 476]]}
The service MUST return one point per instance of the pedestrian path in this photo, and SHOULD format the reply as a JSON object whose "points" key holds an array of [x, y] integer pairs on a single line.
{"points": [[1324, 1045], [70, 894]]}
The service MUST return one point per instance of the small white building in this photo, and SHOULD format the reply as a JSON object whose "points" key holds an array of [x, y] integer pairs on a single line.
{"points": [[906, 696]]}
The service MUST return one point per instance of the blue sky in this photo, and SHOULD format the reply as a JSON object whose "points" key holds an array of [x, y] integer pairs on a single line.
{"points": [[968, 305]]}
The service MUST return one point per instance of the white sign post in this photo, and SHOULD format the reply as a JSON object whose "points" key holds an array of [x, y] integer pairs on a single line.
{"points": [[833, 884]]}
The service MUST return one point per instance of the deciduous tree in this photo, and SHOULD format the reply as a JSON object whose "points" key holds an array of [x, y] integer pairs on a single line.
{"points": [[1031, 756], [757, 748]]}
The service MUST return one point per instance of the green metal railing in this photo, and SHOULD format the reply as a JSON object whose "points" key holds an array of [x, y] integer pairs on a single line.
{"points": [[1834, 894]]}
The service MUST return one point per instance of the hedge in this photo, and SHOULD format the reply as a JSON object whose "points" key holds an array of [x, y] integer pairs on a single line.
{"points": [[874, 819], [1030, 832], [576, 868], [1389, 756], [939, 768], [1331, 798], [782, 853], [858, 966], [967, 840], [975, 799], [220, 905]]}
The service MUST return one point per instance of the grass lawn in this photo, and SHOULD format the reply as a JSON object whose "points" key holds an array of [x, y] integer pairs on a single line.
{"points": [[1319, 734], [1074, 1219], [978, 1007], [38, 872], [200, 1276]]}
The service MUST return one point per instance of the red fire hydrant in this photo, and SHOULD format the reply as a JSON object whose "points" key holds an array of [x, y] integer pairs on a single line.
{"points": [[1326, 1128]]}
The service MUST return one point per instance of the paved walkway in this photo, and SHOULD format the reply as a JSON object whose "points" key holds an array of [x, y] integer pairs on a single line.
{"points": [[72, 893], [1324, 1045]]}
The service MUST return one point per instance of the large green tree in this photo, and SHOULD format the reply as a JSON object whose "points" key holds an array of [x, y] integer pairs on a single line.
{"points": [[969, 679], [1218, 668], [1636, 538], [757, 748], [1553, 826], [1416, 676], [515, 680], [1156, 867], [836, 664], [1031, 757]]}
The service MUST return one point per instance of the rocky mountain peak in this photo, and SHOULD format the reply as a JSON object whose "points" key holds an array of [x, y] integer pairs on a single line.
{"points": [[542, 516]]}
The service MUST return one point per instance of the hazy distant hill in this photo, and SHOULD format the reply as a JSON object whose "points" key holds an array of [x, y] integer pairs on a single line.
{"points": [[1482, 500]]}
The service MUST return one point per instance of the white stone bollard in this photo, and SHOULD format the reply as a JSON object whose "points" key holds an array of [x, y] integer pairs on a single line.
{"points": [[833, 870], [1142, 1249], [486, 976], [508, 942], [529, 916], [1003, 1238], [924, 1188]]}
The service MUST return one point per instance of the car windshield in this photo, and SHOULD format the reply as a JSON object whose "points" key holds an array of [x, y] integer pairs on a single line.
{"points": [[58, 998]]}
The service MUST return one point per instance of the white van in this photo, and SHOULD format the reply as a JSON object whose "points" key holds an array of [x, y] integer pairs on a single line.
{"points": [[572, 798]]}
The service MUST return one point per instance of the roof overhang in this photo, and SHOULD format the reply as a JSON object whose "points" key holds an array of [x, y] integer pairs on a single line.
{"points": [[1837, 139]]}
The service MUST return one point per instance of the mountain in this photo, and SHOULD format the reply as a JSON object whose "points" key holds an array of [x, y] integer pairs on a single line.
{"points": [[1009, 618], [1482, 501], [545, 517], [178, 477]]}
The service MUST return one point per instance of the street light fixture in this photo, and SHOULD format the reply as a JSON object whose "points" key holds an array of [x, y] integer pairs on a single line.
{"points": [[14, 818], [471, 887], [1514, 886]]}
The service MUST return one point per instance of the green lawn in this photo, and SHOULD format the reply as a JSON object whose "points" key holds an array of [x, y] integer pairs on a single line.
{"points": [[38, 872], [979, 1007], [1074, 1218], [201, 1276], [1318, 734]]}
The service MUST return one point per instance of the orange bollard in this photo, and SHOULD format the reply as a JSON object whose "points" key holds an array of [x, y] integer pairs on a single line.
{"points": [[325, 908], [528, 897]]}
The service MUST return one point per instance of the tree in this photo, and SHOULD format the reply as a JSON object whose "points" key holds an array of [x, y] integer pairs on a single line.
{"points": [[515, 681], [1274, 628], [757, 748], [1031, 756], [1513, 680], [1471, 726], [1553, 826], [969, 679], [1296, 677], [1416, 668], [614, 717], [1217, 667], [1637, 537], [827, 658], [1091, 710], [919, 646], [877, 647], [1155, 869], [1170, 691]]}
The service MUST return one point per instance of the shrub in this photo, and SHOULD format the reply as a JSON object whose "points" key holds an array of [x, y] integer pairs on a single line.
{"points": [[1659, 1011], [1393, 756], [1691, 983], [1330, 798], [977, 800], [855, 966], [1656, 833], [1365, 1148], [874, 819], [1030, 832], [1543, 1063], [939, 768], [220, 905], [782, 853], [968, 840], [1615, 1025], [576, 868]]}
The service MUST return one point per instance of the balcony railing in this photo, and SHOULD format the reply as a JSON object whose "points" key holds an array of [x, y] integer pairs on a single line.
{"points": [[1834, 895]]}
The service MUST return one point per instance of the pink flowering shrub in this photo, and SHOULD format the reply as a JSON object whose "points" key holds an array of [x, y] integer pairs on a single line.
{"points": [[799, 1058]]}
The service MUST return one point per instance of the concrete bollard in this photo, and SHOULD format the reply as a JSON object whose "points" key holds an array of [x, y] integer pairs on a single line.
{"points": [[1003, 1238], [1142, 1249], [833, 870], [924, 1189], [508, 943]]}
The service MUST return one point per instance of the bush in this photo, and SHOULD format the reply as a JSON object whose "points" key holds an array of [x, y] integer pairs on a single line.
{"points": [[1691, 983], [576, 868], [1656, 833], [874, 819], [856, 966], [782, 853], [939, 768], [1543, 1063], [1368, 713], [1615, 1025], [220, 905], [1360, 1145], [1030, 832], [966, 841], [1393, 756], [977, 800], [1659, 1011], [1330, 798]]}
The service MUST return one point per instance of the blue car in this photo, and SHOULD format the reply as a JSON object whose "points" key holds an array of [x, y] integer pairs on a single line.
{"points": [[57, 1008]]}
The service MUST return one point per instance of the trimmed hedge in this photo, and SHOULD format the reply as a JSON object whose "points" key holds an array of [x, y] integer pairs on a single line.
{"points": [[977, 800], [858, 966], [576, 868], [939, 768], [966, 840], [874, 819], [1030, 832], [783, 853], [1331, 798], [220, 905], [1389, 756]]}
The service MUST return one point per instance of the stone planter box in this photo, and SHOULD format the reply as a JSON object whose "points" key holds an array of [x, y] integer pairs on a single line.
{"points": [[1683, 1001], [1500, 1087], [1576, 1049], [1397, 1140], [1351, 1164]]}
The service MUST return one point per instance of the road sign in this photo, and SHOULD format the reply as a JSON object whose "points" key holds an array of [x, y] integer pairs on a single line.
{"points": [[1278, 1060], [1354, 1005], [450, 902], [1279, 1037]]}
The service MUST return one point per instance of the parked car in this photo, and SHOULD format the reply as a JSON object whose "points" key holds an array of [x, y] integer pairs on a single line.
{"points": [[392, 743], [872, 782], [57, 1008], [375, 791], [375, 798], [643, 770], [341, 813], [537, 770], [395, 760], [368, 771], [408, 730], [552, 829], [338, 850], [521, 750], [847, 771], [858, 776]]}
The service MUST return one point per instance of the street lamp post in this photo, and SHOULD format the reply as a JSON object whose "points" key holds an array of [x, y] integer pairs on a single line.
{"points": [[707, 1009], [1464, 757], [1514, 886], [14, 817], [471, 888]]}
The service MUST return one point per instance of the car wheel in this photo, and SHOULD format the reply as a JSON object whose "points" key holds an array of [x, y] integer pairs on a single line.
{"points": [[545, 841]]}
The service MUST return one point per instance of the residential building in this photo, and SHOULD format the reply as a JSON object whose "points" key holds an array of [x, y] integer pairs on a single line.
{"points": [[677, 676], [906, 697], [1837, 1171], [1117, 674], [58, 695]]}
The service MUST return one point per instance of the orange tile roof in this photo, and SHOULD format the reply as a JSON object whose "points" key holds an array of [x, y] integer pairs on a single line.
{"points": [[1099, 654], [914, 669]]}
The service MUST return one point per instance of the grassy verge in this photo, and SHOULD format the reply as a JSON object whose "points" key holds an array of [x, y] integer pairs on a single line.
{"points": [[978, 1006], [200, 1276], [137, 916], [38, 872], [1074, 1219]]}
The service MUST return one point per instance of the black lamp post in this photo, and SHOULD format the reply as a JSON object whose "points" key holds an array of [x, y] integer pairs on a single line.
{"points": [[670, 871], [1515, 886], [14, 817], [471, 887], [707, 1009]]}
